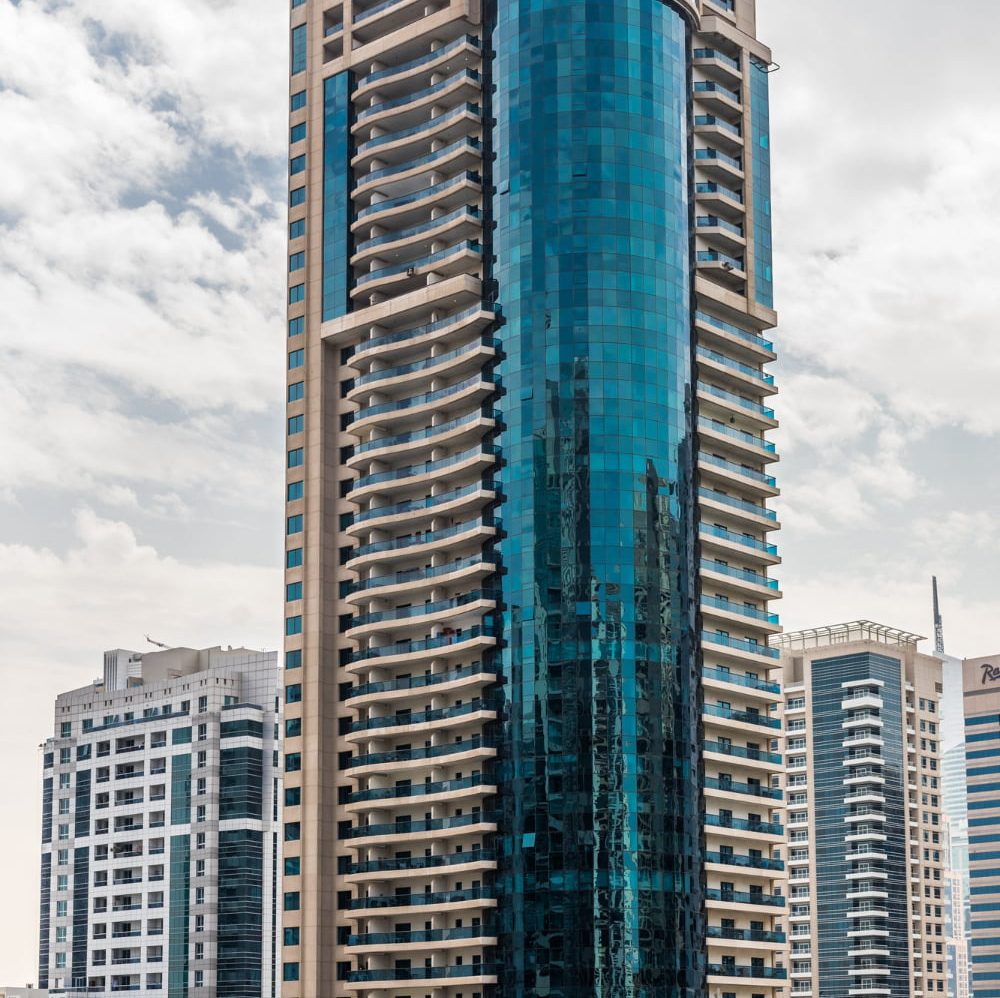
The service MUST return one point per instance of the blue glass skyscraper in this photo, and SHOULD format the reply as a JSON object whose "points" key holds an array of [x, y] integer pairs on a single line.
{"points": [[526, 543]]}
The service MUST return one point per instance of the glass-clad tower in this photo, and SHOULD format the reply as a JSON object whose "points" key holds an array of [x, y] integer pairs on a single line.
{"points": [[532, 741]]}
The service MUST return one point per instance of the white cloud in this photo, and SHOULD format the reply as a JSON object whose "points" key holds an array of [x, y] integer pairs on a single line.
{"points": [[111, 588]]}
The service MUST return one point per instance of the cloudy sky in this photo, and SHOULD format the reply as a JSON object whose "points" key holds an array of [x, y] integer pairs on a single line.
{"points": [[141, 338]]}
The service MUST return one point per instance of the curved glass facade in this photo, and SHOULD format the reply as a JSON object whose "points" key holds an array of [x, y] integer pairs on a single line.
{"points": [[599, 857]]}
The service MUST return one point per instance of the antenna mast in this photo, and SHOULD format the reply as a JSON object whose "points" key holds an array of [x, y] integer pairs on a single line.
{"points": [[938, 622]]}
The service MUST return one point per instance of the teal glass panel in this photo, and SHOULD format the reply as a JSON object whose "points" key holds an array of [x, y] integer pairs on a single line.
{"points": [[81, 909], [241, 783], [336, 193], [180, 789], [177, 927], [299, 49], [599, 881], [241, 898], [760, 125]]}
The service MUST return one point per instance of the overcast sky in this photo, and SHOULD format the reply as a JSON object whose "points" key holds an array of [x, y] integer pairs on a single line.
{"points": [[141, 339]]}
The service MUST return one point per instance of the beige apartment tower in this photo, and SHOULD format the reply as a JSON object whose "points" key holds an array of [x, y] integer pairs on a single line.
{"points": [[866, 840], [532, 736]]}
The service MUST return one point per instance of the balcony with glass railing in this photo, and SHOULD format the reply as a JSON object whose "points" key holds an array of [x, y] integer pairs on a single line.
{"points": [[713, 461], [743, 716]]}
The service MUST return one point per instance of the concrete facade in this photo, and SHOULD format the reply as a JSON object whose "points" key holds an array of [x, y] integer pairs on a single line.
{"points": [[866, 838], [160, 806]]}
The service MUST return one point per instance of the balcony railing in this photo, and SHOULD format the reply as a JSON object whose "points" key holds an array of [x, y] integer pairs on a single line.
{"points": [[745, 897], [425, 973], [413, 505], [739, 400], [748, 935], [430, 752], [747, 970], [744, 824], [727, 327], [398, 202], [406, 67], [743, 539], [423, 862], [709, 87], [429, 467], [725, 676], [469, 75], [731, 606], [750, 789], [716, 121], [756, 755], [426, 362], [425, 644], [740, 645], [709, 53], [746, 716], [436, 897], [753, 439], [739, 469], [710, 187], [424, 126], [420, 936], [422, 717], [419, 574], [425, 825], [745, 574], [423, 609], [748, 862]]}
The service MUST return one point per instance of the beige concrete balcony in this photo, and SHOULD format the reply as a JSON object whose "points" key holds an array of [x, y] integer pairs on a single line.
{"points": [[394, 415], [437, 542], [387, 796], [738, 514], [444, 471], [717, 333], [411, 375], [390, 214], [401, 278], [720, 542], [719, 472], [471, 750], [409, 76], [736, 578], [416, 723], [716, 401], [438, 127], [733, 375], [373, 21], [460, 501], [397, 113], [389, 191], [719, 65], [381, 686]]}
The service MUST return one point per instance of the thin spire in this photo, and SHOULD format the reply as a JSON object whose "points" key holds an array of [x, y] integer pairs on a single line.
{"points": [[938, 622]]}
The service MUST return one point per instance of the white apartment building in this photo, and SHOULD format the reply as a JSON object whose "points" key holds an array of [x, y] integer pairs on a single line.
{"points": [[866, 838], [160, 806]]}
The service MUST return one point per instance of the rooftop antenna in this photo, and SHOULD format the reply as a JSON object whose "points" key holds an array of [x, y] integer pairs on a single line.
{"points": [[160, 644], [938, 622]]}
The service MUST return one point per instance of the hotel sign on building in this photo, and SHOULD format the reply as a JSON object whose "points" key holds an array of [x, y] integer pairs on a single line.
{"points": [[981, 684]]}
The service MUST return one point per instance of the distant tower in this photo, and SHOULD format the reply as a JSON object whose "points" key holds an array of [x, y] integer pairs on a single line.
{"points": [[938, 623]]}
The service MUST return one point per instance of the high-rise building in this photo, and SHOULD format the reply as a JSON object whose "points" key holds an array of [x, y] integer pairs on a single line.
{"points": [[160, 821], [956, 819], [866, 841], [527, 529], [981, 683]]}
